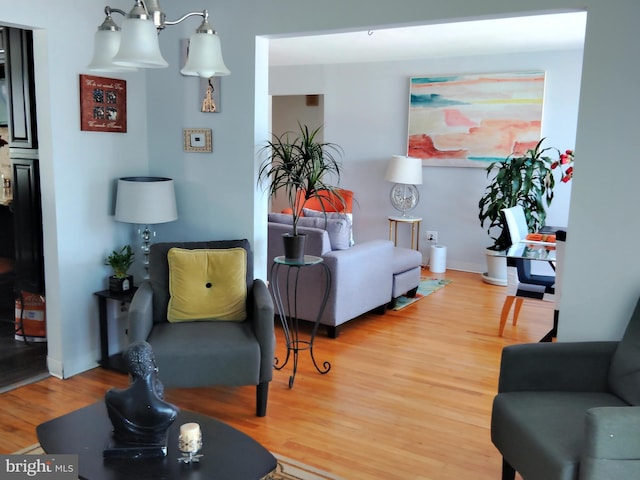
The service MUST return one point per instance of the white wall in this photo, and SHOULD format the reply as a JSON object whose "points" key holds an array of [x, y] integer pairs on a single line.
{"points": [[367, 112]]}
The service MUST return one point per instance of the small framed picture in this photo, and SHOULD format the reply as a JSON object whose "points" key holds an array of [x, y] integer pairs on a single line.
{"points": [[198, 140], [103, 104]]}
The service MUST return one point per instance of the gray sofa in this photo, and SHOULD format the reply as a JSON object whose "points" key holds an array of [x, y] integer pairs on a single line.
{"points": [[569, 411], [364, 276]]}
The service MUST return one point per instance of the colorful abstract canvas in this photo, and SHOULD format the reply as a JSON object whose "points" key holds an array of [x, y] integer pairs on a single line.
{"points": [[472, 120]]}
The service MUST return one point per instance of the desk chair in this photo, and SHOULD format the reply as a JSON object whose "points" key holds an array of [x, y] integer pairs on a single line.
{"points": [[521, 283]]}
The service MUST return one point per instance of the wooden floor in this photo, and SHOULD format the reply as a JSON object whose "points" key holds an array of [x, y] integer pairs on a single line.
{"points": [[408, 396]]}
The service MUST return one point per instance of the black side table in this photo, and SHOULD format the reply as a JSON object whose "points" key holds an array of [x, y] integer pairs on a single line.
{"points": [[289, 315], [107, 360]]}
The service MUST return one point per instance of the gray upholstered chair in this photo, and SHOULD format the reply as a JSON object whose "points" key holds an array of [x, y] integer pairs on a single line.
{"points": [[205, 352], [569, 411]]}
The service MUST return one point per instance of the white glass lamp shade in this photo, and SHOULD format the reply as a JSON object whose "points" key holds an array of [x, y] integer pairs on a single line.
{"points": [[407, 170], [139, 46], [146, 200], [205, 57], [105, 45]]}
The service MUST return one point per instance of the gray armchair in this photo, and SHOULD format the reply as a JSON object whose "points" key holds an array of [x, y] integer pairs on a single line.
{"points": [[202, 353], [569, 411]]}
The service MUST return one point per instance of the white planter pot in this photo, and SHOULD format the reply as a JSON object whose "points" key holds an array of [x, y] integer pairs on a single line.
{"points": [[496, 273]]}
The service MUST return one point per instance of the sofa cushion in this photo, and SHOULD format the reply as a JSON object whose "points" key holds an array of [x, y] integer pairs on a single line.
{"points": [[624, 373], [337, 228], [308, 212], [207, 284]]}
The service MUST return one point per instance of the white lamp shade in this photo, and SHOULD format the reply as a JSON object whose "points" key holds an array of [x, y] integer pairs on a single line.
{"points": [[403, 169], [146, 200], [205, 57], [105, 45], [139, 46]]}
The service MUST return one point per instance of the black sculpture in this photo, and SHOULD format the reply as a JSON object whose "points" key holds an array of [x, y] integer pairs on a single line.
{"points": [[139, 414]]}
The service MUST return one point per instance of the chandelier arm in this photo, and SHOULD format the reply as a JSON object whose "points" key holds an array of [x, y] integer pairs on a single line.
{"points": [[108, 10], [204, 14]]}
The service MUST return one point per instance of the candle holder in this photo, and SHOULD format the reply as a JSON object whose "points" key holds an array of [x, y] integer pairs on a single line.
{"points": [[190, 443]]}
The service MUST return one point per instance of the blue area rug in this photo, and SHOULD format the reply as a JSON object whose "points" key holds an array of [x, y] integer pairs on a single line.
{"points": [[427, 287]]}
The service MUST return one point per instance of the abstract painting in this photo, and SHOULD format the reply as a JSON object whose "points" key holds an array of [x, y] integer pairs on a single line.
{"points": [[473, 120]]}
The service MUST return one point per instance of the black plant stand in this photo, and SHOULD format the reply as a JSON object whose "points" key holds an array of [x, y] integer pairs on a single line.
{"points": [[289, 315]]}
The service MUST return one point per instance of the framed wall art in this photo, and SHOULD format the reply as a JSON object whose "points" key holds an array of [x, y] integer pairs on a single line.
{"points": [[197, 140], [103, 104], [473, 120]]}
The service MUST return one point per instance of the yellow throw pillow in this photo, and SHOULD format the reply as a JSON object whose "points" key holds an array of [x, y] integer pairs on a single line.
{"points": [[207, 284]]}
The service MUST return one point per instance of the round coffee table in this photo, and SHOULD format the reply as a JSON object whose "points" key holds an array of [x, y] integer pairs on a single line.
{"points": [[226, 452]]}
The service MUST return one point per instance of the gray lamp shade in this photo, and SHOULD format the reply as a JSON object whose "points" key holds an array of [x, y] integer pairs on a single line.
{"points": [[146, 200], [407, 170]]}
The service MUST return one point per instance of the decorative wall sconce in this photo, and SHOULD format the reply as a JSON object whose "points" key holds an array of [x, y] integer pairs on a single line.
{"points": [[135, 44]]}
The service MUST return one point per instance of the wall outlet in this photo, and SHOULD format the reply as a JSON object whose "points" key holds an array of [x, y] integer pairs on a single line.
{"points": [[432, 236]]}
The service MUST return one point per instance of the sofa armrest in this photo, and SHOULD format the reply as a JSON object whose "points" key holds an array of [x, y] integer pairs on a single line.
{"points": [[262, 318], [361, 277], [612, 443], [358, 256], [140, 318], [570, 367]]}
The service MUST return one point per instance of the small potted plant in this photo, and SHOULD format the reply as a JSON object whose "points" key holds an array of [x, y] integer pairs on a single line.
{"points": [[120, 261], [298, 165], [525, 180]]}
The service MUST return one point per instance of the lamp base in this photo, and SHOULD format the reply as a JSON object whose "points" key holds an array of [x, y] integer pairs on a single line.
{"points": [[404, 197]]}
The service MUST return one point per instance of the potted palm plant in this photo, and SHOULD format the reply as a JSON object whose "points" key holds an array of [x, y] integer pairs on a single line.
{"points": [[300, 166], [120, 261], [525, 180]]}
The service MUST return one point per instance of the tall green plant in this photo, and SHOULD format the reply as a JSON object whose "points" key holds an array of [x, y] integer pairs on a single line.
{"points": [[300, 166], [520, 180]]}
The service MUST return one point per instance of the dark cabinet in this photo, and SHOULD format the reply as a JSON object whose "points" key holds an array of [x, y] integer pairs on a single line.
{"points": [[23, 151], [27, 215], [18, 45]]}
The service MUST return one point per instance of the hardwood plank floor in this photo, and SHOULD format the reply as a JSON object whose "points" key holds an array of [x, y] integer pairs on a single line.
{"points": [[408, 396]]}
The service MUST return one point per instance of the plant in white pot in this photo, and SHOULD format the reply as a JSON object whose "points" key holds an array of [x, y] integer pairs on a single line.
{"points": [[525, 180], [300, 166]]}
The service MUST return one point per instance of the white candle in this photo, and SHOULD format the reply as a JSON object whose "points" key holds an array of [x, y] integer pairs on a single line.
{"points": [[190, 439]]}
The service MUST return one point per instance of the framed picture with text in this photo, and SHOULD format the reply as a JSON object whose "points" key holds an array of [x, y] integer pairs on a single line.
{"points": [[103, 104]]}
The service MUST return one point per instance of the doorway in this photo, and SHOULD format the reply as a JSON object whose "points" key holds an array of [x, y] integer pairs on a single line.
{"points": [[23, 347], [287, 111]]}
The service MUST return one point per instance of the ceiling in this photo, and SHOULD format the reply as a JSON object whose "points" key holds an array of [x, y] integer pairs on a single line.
{"points": [[478, 37]]}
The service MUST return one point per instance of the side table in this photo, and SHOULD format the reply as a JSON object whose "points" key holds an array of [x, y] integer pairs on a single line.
{"points": [[107, 360], [415, 229], [289, 315]]}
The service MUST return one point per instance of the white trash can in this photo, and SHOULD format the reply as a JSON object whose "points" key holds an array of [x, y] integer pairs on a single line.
{"points": [[438, 259]]}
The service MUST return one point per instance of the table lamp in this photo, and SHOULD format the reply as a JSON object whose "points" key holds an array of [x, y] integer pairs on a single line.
{"points": [[146, 201], [405, 173]]}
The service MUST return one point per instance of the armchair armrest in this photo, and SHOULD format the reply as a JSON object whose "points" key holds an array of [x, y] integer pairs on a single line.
{"points": [[568, 367], [262, 318], [140, 318], [612, 443]]}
